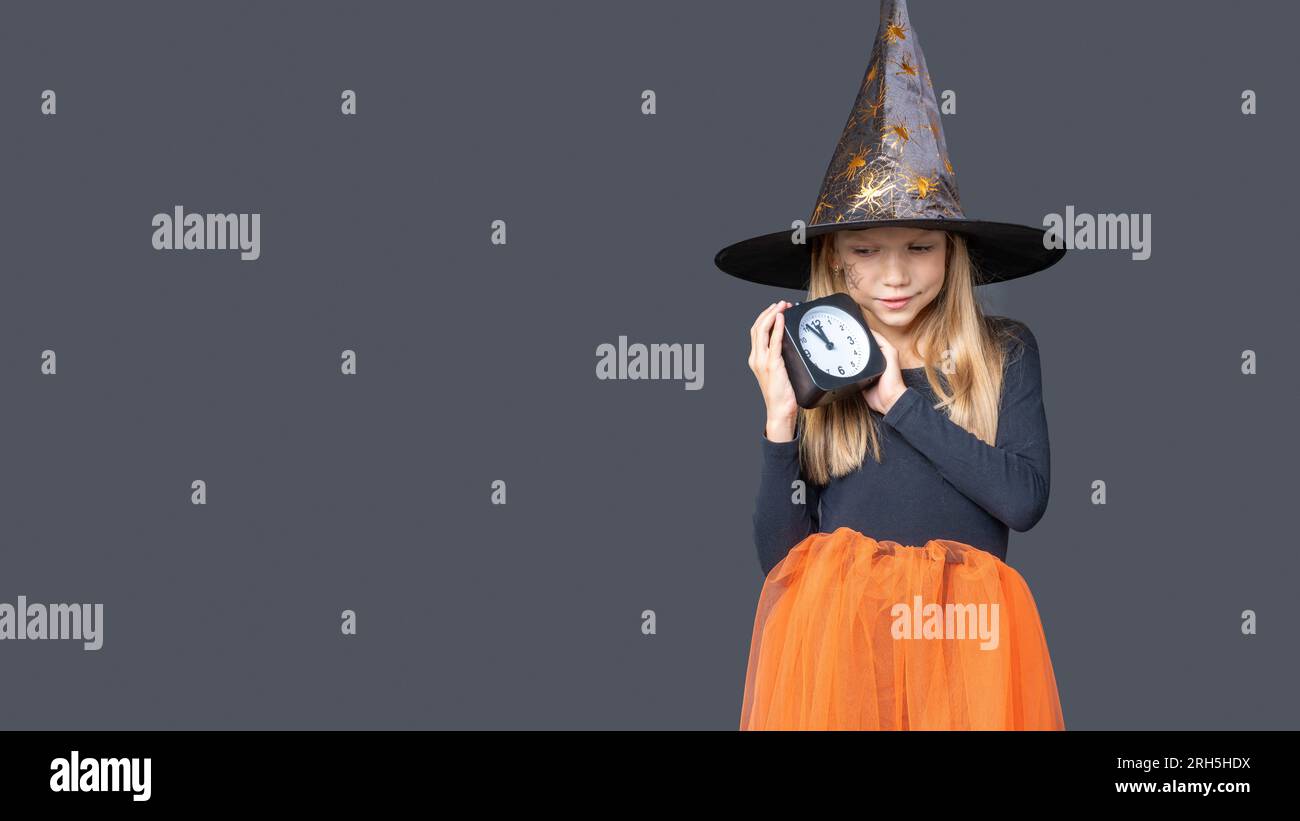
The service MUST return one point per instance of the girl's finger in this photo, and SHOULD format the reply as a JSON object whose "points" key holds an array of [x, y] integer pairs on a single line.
{"points": [[753, 331], [774, 341], [757, 326]]}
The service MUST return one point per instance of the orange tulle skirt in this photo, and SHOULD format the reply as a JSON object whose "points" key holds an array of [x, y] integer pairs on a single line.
{"points": [[857, 634]]}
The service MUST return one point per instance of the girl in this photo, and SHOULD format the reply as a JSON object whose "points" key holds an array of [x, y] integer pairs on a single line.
{"points": [[962, 455], [881, 520]]}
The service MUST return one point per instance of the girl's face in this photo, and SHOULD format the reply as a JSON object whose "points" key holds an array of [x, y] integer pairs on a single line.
{"points": [[892, 263]]}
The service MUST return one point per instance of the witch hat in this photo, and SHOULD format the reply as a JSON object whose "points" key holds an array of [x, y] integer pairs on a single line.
{"points": [[891, 168]]}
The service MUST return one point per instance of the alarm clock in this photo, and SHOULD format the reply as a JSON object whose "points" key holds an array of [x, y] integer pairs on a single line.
{"points": [[828, 350]]}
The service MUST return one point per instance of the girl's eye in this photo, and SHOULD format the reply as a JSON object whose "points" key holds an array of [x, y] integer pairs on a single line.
{"points": [[921, 248]]}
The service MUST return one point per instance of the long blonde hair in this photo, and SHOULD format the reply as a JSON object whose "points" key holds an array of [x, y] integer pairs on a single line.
{"points": [[837, 436]]}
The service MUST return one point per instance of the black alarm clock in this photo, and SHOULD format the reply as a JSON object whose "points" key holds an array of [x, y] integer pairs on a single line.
{"points": [[828, 350]]}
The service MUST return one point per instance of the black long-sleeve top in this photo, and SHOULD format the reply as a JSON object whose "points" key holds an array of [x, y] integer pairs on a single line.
{"points": [[936, 479]]}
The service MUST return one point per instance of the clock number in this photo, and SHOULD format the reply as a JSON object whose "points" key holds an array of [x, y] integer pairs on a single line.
{"points": [[841, 370]]}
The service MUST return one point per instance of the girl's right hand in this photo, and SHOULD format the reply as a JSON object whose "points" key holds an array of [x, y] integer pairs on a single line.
{"points": [[765, 337]]}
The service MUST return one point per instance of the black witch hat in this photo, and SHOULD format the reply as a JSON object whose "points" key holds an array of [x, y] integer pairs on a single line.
{"points": [[891, 168]]}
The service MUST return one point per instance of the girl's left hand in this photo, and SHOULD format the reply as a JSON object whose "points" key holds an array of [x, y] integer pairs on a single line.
{"points": [[885, 392]]}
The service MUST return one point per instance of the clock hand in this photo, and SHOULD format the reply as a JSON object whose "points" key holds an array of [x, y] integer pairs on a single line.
{"points": [[829, 345]]}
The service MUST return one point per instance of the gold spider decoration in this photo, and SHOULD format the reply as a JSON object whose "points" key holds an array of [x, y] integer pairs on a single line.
{"points": [[904, 67], [871, 108], [921, 185], [818, 210], [935, 130], [856, 163], [896, 136], [895, 33], [869, 191]]}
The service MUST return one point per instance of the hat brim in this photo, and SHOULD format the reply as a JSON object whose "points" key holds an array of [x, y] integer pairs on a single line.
{"points": [[999, 250]]}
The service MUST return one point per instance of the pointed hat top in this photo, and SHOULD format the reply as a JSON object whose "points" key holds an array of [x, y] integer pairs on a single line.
{"points": [[891, 167], [891, 161]]}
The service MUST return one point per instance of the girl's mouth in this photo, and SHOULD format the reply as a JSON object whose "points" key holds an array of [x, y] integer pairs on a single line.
{"points": [[894, 304]]}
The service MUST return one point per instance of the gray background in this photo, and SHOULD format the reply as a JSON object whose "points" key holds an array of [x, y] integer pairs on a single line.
{"points": [[478, 362]]}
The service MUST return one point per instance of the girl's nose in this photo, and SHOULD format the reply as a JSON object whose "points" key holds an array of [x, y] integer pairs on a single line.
{"points": [[895, 270]]}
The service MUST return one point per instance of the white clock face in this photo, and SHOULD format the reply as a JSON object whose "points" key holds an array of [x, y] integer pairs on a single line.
{"points": [[833, 341]]}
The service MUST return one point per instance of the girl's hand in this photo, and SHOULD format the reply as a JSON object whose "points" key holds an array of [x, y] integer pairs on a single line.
{"points": [[769, 368], [882, 395]]}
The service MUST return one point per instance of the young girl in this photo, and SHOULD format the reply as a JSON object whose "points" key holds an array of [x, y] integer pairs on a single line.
{"points": [[918, 506], [881, 520]]}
